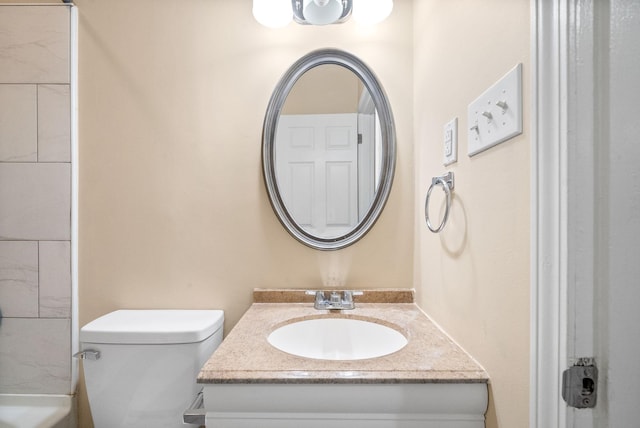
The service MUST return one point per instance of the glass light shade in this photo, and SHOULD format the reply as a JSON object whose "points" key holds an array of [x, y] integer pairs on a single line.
{"points": [[322, 12], [371, 11], [272, 13]]}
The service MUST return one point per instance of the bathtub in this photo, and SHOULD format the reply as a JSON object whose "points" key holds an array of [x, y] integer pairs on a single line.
{"points": [[36, 411]]}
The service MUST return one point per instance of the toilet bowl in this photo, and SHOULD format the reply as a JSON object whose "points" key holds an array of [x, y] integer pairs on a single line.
{"points": [[140, 366]]}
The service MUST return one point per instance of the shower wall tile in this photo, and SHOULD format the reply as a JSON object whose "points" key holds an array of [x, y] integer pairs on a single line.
{"points": [[35, 201], [34, 44], [54, 123], [55, 279], [35, 356], [18, 123], [18, 279]]}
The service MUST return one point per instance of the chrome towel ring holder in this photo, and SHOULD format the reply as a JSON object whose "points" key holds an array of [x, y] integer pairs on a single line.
{"points": [[447, 183]]}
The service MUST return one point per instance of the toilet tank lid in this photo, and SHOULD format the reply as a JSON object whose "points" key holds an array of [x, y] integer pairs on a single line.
{"points": [[153, 326]]}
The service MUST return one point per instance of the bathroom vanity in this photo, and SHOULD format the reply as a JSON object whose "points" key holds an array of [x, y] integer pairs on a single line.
{"points": [[429, 383]]}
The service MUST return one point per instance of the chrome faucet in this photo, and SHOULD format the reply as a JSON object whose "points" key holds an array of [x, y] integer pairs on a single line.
{"points": [[336, 299]]}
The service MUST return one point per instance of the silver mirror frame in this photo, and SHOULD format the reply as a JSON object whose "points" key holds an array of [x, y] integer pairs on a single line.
{"points": [[387, 126]]}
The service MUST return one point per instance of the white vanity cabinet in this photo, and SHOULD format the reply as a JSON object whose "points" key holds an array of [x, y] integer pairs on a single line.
{"points": [[346, 405]]}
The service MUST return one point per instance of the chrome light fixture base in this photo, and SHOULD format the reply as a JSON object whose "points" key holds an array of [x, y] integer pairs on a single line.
{"points": [[298, 7]]}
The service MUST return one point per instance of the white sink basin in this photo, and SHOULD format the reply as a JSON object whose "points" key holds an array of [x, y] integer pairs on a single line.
{"points": [[337, 339]]}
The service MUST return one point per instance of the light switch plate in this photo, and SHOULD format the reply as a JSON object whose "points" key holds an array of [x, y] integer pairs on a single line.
{"points": [[496, 115], [450, 147]]}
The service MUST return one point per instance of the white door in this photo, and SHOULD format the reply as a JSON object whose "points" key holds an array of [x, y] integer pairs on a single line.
{"points": [[604, 271], [587, 223], [317, 171]]}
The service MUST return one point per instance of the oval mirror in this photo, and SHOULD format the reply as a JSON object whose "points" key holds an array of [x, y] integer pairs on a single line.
{"points": [[328, 149]]}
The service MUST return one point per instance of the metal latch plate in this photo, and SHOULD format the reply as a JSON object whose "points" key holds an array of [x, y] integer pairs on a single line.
{"points": [[580, 384]]}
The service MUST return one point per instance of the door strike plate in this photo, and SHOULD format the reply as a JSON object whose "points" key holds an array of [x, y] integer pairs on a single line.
{"points": [[580, 384]]}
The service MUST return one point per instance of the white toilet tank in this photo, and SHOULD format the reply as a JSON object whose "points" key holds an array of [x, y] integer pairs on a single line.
{"points": [[145, 374]]}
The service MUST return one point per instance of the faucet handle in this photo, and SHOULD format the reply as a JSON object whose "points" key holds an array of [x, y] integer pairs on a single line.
{"points": [[319, 296], [348, 297], [348, 294]]}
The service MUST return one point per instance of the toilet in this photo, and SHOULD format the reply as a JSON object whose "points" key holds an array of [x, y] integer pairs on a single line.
{"points": [[140, 366]]}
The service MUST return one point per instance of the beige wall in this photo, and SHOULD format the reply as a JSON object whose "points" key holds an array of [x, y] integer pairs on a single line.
{"points": [[173, 209], [473, 278]]}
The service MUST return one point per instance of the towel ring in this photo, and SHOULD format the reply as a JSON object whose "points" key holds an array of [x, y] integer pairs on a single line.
{"points": [[447, 183]]}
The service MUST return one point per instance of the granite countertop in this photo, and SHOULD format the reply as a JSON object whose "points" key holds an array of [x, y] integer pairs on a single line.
{"points": [[430, 356]]}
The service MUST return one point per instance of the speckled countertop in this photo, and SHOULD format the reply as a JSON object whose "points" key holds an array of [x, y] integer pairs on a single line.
{"points": [[430, 356]]}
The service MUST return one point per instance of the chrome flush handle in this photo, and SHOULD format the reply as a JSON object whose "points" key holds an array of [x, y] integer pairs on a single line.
{"points": [[87, 354]]}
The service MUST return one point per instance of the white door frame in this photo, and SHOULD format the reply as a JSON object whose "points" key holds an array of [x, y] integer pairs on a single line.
{"points": [[563, 188], [548, 221]]}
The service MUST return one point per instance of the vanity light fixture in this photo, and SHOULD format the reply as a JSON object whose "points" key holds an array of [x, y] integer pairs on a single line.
{"points": [[371, 11], [278, 13], [272, 13]]}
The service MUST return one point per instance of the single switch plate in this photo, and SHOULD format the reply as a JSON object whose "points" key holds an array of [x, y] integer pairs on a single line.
{"points": [[496, 115], [450, 142]]}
